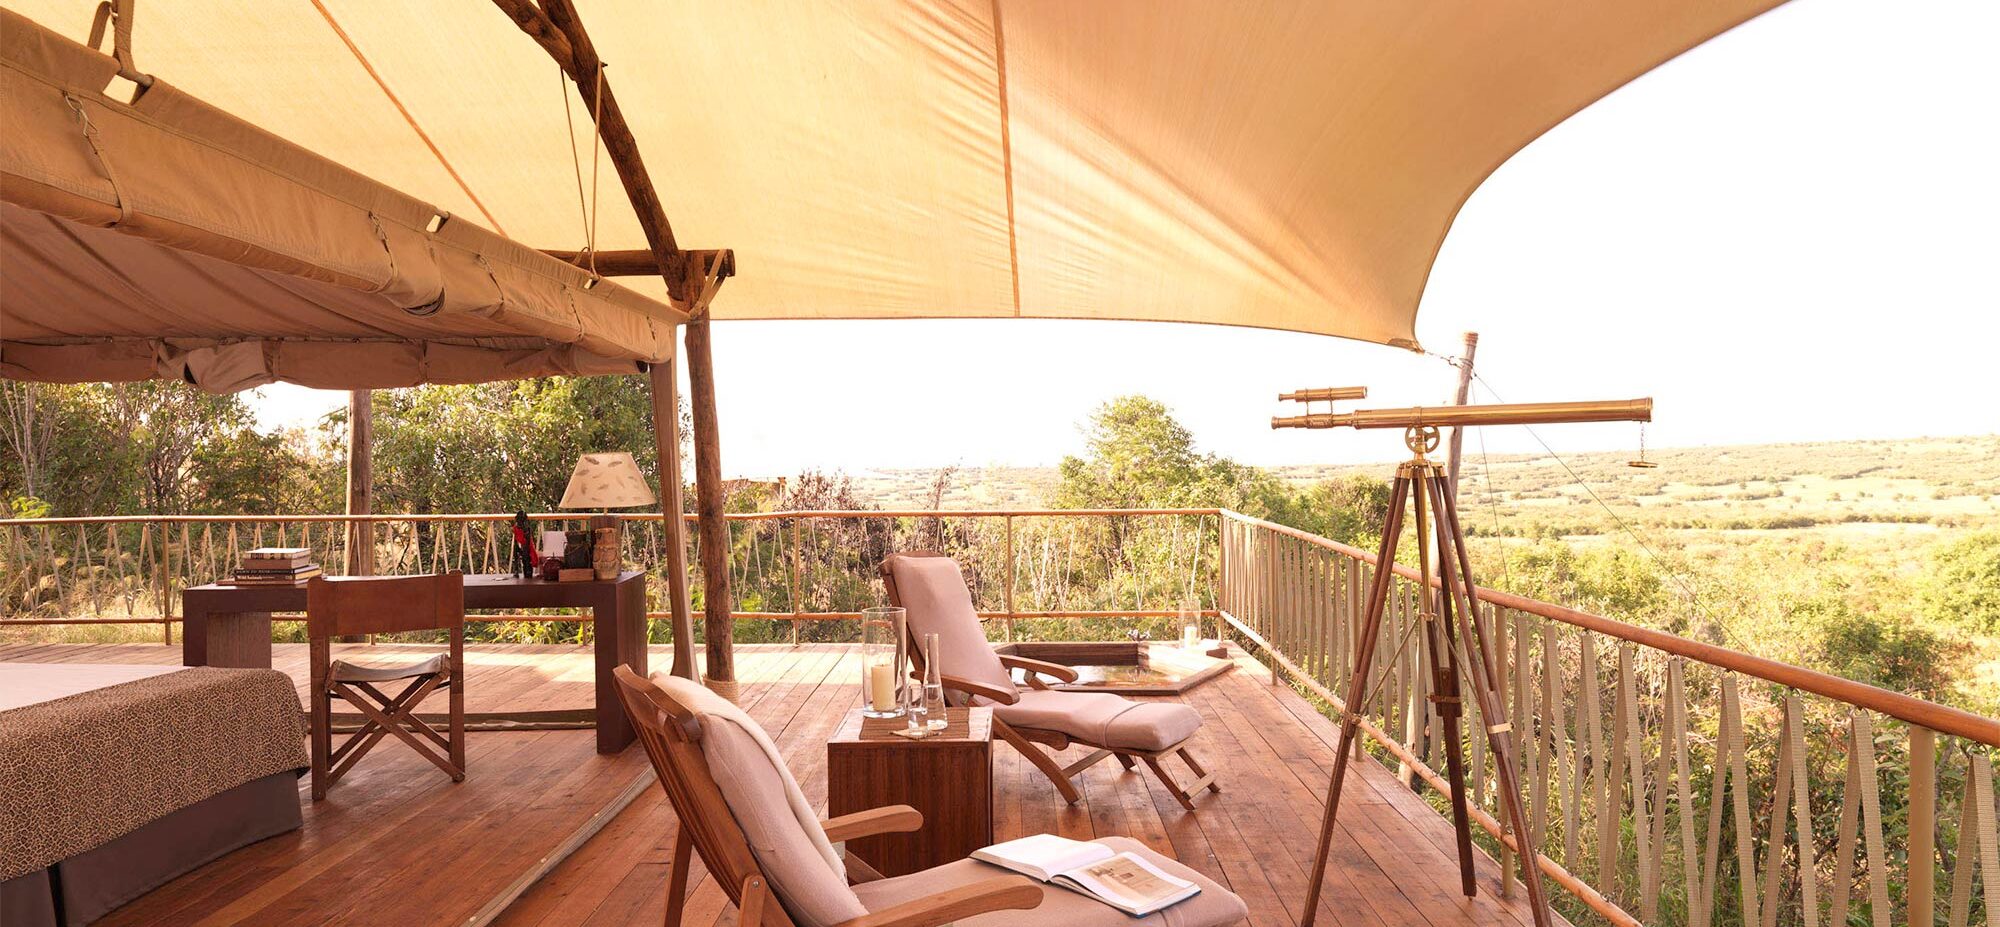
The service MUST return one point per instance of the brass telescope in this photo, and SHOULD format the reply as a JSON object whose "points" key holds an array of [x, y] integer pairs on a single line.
{"points": [[1519, 413], [1325, 394]]}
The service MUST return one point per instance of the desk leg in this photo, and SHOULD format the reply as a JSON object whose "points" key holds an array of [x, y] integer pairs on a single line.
{"points": [[241, 639], [620, 627]]}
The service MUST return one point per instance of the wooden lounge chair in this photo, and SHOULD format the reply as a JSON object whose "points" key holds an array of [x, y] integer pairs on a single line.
{"points": [[741, 809], [932, 589], [352, 606]]}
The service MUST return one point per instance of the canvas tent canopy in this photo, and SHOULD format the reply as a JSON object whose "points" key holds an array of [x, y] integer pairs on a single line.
{"points": [[170, 239], [1288, 164]]}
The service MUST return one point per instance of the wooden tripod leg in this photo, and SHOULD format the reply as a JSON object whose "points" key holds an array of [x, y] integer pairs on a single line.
{"points": [[1485, 686], [1357, 687], [1439, 639], [677, 879]]}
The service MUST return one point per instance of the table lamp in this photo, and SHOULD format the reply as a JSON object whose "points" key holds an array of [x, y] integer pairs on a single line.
{"points": [[606, 481]]}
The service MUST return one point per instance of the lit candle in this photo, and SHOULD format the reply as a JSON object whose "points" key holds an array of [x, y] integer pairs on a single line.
{"points": [[1191, 635], [882, 687]]}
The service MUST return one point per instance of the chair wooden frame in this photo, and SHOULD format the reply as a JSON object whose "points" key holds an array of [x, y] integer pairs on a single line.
{"points": [[1024, 739], [385, 605], [671, 734]]}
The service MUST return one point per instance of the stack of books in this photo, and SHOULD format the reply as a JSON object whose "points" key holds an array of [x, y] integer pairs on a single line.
{"points": [[274, 566]]}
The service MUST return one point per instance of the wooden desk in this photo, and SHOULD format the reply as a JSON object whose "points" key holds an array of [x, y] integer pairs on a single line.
{"points": [[948, 777], [231, 626]]}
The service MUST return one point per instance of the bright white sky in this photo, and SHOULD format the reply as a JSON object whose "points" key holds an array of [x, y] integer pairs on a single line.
{"points": [[1787, 234]]}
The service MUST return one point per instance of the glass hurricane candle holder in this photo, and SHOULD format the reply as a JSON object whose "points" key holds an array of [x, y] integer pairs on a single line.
{"points": [[882, 662], [1190, 616]]}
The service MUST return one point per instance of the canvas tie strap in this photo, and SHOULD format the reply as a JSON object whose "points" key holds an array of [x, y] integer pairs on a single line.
{"points": [[1978, 843], [97, 155], [118, 13]]}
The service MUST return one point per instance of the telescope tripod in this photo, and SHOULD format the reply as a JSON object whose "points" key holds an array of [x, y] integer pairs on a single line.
{"points": [[1449, 616]]}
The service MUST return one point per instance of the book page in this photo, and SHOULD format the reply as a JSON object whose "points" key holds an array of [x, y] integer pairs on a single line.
{"points": [[1126, 881], [1042, 855]]}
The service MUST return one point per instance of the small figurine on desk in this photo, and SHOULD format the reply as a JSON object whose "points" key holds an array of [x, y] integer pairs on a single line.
{"points": [[526, 558]]}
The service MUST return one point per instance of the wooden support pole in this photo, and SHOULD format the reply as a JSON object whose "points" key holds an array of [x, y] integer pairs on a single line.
{"points": [[1464, 393], [718, 626], [360, 559], [556, 26], [673, 528]]}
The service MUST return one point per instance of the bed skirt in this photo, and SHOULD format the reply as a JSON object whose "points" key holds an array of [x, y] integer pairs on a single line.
{"points": [[87, 886]]}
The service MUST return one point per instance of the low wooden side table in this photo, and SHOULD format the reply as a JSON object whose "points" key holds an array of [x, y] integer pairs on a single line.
{"points": [[947, 776]]}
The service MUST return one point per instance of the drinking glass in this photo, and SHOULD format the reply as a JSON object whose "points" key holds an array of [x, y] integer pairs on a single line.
{"points": [[933, 694], [882, 658]]}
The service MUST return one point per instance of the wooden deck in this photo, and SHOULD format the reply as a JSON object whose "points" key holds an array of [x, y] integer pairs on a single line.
{"points": [[397, 843]]}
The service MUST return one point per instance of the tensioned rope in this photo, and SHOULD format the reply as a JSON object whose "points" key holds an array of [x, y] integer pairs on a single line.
{"points": [[1694, 598], [407, 117], [589, 213]]}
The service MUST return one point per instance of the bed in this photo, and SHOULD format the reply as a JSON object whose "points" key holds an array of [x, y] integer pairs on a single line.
{"points": [[114, 779]]}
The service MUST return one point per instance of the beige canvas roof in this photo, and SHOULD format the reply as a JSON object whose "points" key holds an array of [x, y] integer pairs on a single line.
{"points": [[1289, 164], [169, 239]]}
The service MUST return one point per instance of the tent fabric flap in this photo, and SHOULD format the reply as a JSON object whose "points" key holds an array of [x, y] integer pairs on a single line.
{"points": [[165, 237], [1282, 164]]}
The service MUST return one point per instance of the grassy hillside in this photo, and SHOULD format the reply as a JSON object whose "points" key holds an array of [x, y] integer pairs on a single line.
{"points": [[1857, 489]]}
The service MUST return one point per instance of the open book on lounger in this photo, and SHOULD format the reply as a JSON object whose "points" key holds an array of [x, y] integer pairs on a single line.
{"points": [[1121, 880]]}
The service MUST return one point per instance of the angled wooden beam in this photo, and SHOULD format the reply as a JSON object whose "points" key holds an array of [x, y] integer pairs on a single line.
{"points": [[529, 17], [635, 263], [619, 145], [545, 23]]}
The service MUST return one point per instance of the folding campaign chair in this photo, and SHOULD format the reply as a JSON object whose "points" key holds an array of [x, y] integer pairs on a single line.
{"points": [[385, 605]]}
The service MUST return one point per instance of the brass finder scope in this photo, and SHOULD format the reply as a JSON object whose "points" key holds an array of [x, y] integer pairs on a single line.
{"points": [[1520, 413]]}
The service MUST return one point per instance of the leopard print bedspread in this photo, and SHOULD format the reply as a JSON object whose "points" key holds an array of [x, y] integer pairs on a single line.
{"points": [[79, 771]]}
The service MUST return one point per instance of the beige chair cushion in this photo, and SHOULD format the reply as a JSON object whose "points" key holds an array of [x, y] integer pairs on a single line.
{"points": [[1215, 906], [932, 591], [1102, 719], [343, 671], [782, 828]]}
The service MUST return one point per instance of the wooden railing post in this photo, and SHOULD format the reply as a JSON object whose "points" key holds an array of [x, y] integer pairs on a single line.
{"points": [[1009, 591], [162, 563], [1922, 884], [798, 603]]}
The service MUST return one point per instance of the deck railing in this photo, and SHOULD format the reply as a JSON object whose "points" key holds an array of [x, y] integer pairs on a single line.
{"points": [[1668, 781], [790, 569]]}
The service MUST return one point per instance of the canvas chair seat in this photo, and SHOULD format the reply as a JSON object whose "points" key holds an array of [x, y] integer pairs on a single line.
{"points": [[932, 591], [343, 671], [1101, 718], [1213, 907]]}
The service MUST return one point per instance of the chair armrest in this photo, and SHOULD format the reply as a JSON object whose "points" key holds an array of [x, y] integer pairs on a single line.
{"points": [[888, 819], [1000, 893], [967, 686], [1039, 667]]}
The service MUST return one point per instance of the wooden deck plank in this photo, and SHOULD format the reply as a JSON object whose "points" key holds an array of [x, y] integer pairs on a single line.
{"points": [[397, 843]]}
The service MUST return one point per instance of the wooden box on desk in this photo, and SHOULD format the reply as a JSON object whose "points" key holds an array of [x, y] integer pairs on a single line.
{"points": [[947, 776]]}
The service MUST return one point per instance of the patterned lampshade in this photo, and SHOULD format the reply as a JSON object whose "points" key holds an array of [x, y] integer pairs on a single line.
{"points": [[606, 481]]}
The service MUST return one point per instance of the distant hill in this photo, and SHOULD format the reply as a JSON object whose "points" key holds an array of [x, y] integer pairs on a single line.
{"points": [[1858, 487]]}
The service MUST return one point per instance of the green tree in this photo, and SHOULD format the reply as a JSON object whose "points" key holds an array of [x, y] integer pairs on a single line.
{"points": [[1962, 587]]}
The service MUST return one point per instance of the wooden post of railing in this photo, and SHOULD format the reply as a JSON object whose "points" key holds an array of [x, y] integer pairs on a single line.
{"points": [[161, 563], [1922, 884], [798, 604], [1009, 592]]}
